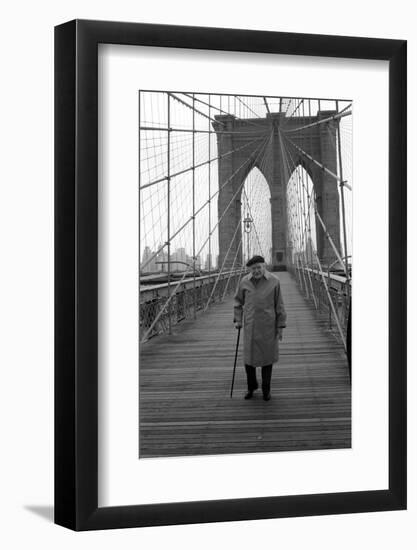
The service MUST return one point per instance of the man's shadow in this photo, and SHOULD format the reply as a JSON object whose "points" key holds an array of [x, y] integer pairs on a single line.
{"points": [[45, 512]]}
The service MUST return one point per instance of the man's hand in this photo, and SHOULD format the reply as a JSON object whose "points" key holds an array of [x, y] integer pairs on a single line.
{"points": [[238, 325], [280, 334]]}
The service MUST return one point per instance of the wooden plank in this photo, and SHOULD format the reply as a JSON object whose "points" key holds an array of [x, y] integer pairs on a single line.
{"points": [[185, 406]]}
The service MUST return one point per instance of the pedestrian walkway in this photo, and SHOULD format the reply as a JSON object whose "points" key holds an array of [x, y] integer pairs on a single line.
{"points": [[185, 406]]}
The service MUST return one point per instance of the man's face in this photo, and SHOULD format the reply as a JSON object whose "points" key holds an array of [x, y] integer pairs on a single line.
{"points": [[257, 270]]}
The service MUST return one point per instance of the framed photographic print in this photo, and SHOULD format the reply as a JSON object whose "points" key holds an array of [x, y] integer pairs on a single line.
{"points": [[230, 337]]}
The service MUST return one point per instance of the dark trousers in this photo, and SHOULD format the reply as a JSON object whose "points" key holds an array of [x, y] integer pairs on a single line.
{"points": [[266, 378]]}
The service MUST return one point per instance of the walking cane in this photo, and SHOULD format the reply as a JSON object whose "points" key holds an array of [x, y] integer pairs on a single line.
{"points": [[234, 368]]}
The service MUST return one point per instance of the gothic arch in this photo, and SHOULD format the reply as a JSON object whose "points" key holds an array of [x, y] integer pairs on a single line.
{"points": [[262, 186], [306, 191]]}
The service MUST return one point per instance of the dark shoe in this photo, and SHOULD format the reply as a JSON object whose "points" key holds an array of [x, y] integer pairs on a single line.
{"points": [[249, 395], [267, 396]]}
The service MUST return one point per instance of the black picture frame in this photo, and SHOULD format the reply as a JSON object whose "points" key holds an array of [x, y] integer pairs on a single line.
{"points": [[76, 272]]}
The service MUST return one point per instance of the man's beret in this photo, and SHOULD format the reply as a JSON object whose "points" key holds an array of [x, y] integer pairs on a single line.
{"points": [[255, 260]]}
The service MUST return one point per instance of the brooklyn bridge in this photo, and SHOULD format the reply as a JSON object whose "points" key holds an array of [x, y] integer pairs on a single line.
{"points": [[222, 178]]}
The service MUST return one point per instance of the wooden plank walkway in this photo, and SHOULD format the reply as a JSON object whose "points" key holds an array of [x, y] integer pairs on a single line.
{"points": [[185, 406]]}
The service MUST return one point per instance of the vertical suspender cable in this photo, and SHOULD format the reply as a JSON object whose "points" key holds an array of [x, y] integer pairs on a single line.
{"points": [[209, 186], [193, 175], [304, 187], [342, 196], [169, 210], [139, 218]]}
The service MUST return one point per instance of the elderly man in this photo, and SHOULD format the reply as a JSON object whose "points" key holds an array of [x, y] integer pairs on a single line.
{"points": [[259, 306]]}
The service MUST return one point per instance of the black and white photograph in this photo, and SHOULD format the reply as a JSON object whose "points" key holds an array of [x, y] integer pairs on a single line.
{"points": [[245, 275]]}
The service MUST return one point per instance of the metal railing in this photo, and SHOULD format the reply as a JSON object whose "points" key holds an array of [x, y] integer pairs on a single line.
{"points": [[322, 287], [161, 307]]}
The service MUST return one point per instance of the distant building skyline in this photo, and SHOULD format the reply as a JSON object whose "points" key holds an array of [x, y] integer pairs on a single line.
{"points": [[180, 260]]}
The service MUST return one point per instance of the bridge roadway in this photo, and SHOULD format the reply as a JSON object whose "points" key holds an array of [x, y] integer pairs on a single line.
{"points": [[185, 406]]}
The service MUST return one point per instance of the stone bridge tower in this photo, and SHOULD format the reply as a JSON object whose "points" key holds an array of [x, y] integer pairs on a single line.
{"points": [[246, 138]]}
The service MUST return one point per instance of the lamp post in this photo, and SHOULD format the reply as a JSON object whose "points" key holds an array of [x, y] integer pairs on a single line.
{"points": [[247, 225]]}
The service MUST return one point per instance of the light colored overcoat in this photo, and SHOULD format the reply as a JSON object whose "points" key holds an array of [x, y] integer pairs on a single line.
{"points": [[259, 306]]}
